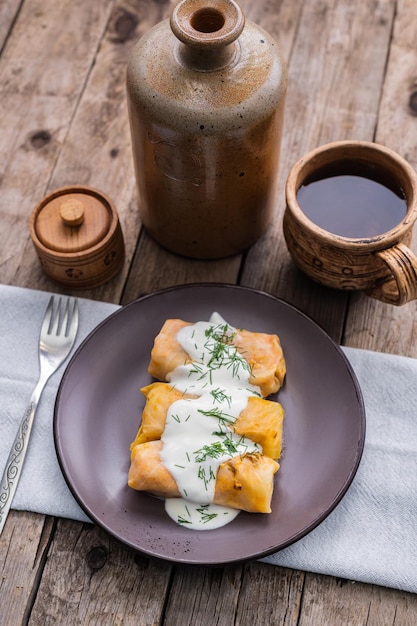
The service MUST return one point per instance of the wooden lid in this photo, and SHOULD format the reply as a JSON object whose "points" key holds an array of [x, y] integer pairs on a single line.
{"points": [[72, 219]]}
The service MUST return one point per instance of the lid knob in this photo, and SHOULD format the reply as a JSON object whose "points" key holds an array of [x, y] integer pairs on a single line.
{"points": [[71, 211]]}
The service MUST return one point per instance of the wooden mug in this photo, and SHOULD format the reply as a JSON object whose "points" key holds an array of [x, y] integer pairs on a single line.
{"points": [[382, 265]]}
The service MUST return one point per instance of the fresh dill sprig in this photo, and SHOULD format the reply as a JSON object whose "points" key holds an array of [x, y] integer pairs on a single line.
{"points": [[222, 333], [219, 395], [228, 446], [231, 446], [223, 352], [212, 451], [202, 475], [218, 414], [197, 368], [183, 520], [205, 515]]}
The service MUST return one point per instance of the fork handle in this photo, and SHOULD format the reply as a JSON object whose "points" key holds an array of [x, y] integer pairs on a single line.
{"points": [[14, 465]]}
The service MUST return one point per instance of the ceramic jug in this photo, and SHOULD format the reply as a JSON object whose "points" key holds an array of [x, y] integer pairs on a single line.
{"points": [[206, 91]]}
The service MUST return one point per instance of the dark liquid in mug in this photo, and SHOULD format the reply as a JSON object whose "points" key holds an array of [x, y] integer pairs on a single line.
{"points": [[352, 200]]}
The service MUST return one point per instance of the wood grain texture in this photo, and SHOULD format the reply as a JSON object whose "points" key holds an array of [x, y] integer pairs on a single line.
{"points": [[23, 548], [371, 324], [270, 594], [92, 579], [39, 87], [8, 13], [328, 600], [164, 269], [333, 96], [97, 146], [279, 17], [202, 595]]}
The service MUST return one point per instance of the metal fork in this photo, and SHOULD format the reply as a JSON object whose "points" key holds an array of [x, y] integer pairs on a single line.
{"points": [[57, 336]]}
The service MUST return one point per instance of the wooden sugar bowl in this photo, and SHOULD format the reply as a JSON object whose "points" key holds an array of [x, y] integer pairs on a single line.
{"points": [[77, 237]]}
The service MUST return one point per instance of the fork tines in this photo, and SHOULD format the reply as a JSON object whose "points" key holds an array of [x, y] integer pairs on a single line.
{"points": [[60, 318]]}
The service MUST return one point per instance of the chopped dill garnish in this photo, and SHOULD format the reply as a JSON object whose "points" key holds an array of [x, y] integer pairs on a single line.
{"points": [[220, 396], [218, 414], [213, 451], [227, 447], [203, 477], [221, 333], [255, 393], [205, 515], [231, 446], [219, 344]]}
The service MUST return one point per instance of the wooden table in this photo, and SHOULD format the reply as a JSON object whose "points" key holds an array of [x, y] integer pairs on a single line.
{"points": [[352, 74]]}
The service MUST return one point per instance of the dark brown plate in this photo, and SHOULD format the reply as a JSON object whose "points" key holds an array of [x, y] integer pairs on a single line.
{"points": [[98, 410]]}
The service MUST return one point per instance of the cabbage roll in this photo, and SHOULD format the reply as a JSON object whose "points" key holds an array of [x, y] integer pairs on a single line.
{"points": [[261, 421], [262, 352], [243, 482]]}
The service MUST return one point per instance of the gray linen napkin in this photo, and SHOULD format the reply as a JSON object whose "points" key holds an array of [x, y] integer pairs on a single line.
{"points": [[370, 537], [42, 487]]}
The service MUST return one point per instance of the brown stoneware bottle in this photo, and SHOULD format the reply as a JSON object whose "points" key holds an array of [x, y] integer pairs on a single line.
{"points": [[206, 94]]}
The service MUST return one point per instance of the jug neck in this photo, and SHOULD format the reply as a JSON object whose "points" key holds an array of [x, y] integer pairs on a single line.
{"points": [[207, 31]]}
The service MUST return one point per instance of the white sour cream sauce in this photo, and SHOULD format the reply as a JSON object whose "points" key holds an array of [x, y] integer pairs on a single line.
{"points": [[197, 436]]}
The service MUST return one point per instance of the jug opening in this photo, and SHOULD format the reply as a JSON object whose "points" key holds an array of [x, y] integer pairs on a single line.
{"points": [[207, 20], [207, 24]]}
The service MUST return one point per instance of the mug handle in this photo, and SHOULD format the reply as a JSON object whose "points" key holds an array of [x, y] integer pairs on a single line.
{"points": [[402, 286]]}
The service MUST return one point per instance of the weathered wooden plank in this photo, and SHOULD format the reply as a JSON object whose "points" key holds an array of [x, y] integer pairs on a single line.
{"points": [[335, 81], [270, 595], [98, 153], [112, 153], [280, 18], [42, 73], [154, 268], [97, 146], [328, 600], [92, 579], [370, 323], [23, 546], [202, 595], [376, 326], [8, 12]]}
